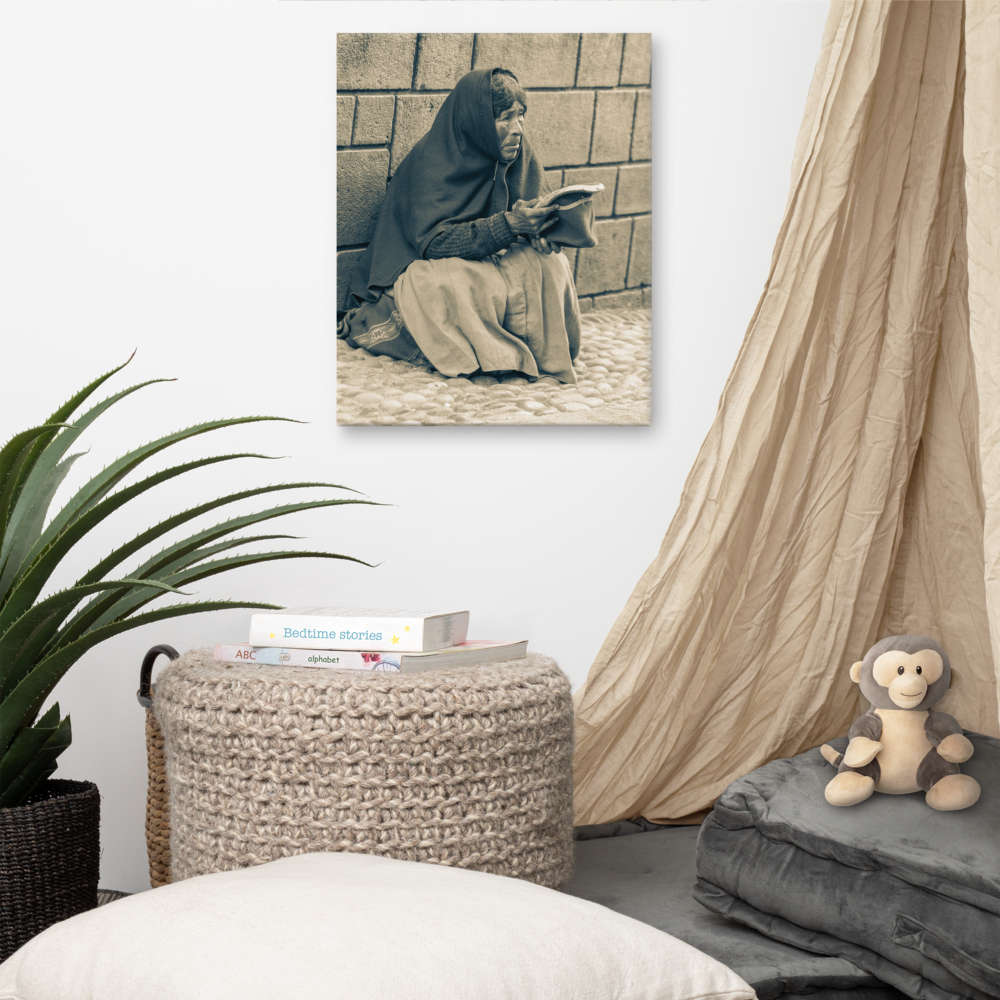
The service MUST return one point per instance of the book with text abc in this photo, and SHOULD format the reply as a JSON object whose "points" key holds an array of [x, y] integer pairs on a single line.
{"points": [[464, 654]]}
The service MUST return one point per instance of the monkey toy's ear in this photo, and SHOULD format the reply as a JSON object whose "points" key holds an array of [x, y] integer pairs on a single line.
{"points": [[956, 679], [856, 671]]}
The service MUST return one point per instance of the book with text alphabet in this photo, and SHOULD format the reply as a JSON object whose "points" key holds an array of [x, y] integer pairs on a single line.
{"points": [[465, 654]]}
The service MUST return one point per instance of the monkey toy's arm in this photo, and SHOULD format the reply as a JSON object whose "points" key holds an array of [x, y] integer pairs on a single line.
{"points": [[946, 734], [864, 745]]}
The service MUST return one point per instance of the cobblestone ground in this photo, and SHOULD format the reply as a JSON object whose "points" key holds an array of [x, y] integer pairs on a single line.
{"points": [[613, 373]]}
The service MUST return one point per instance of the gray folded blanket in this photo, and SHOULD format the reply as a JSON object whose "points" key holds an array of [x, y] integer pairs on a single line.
{"points": [[906, 893], [647, 871]]}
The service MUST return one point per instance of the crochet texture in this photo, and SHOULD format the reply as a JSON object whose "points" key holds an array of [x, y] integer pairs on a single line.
{"points": [[470, 767]]}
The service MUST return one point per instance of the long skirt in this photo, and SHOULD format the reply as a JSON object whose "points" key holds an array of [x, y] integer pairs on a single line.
{"points": [[515, 311]]}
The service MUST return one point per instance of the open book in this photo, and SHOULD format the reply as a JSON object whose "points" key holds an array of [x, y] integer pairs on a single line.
{"points": [[570, 196], [573, 223]]}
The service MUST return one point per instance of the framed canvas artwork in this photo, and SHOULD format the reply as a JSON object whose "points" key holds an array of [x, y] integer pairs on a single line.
{"points": [[494, 228]]}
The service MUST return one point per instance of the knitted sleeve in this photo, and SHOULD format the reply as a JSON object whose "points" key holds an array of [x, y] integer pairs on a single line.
{"points": [[471, 240]]}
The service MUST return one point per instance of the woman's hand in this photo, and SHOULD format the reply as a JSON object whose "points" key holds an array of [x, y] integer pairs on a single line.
{"points": [[542, 245], [525, 220]]}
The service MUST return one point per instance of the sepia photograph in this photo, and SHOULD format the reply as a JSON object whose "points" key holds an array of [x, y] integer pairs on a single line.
{"points": [[494, 228]]}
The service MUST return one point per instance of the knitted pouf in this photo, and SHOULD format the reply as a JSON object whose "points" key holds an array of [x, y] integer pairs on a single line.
{"points": [[467, 766]]}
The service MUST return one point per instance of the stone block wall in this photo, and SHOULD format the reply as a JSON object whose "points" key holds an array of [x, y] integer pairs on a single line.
{"points": [[589, 120]]}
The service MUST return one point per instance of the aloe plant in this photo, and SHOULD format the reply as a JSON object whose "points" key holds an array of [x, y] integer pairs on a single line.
{"points": [[40, 639]]}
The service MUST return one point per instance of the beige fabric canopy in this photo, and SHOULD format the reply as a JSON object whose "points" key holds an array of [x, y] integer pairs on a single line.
{"points": [[849, 488]]}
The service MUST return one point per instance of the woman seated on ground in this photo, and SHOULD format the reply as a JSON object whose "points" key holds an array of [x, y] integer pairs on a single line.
{"points": [[459, 272]]}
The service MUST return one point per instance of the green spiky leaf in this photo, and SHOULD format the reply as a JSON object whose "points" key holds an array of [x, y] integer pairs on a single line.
{"points": [[13, 479], [42, 637], [178, 556], [20, 707], [122, 553], [35, 483], [138, 597], [29, 769], [26, 637]]}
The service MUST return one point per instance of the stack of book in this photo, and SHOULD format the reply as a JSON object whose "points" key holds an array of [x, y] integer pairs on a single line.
{"points": [[366, 639]]}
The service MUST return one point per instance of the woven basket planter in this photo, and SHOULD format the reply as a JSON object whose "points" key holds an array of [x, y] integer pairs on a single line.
{"points": [[49, 860], [470, 767]]}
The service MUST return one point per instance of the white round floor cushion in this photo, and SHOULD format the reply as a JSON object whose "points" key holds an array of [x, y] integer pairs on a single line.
{"points": [[359, 927]]}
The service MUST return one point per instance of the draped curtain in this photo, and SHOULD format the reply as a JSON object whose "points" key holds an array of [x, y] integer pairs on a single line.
{"points": [[849, 487]]}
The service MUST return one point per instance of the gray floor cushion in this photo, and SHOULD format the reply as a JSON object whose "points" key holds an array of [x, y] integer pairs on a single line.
{"points": [[906, 893], [647, 872]]}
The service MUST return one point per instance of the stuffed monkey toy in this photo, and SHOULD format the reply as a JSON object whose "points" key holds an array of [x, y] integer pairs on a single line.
{"points": [[900, 744]]}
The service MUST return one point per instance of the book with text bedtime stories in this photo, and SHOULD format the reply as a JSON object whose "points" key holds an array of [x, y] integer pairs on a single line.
{"points": [[359, 628], [468, 653]]}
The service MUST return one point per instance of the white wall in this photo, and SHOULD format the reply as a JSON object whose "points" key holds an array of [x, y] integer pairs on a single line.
{"points": [[167, 184]]}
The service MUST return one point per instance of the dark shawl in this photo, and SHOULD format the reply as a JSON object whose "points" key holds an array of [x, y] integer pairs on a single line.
{"points": [[455, 173]]}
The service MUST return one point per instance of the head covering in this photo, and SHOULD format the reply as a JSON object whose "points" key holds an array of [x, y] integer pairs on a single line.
{"points": [[454, 173]]}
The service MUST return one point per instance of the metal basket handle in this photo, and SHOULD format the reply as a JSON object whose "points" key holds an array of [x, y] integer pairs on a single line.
{"points": [[145, 693]]}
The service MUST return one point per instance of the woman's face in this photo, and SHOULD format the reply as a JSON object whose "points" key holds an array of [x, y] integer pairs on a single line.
{"points": [[510, 128]]}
